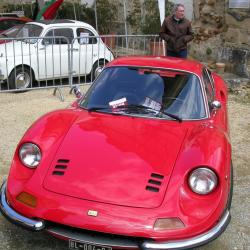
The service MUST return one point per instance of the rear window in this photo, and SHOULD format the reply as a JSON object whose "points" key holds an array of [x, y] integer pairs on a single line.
{"points": [[85, 36]]}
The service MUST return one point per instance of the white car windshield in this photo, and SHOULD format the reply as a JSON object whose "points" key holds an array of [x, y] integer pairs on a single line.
{"points": [[31, 31], [140, 91]]}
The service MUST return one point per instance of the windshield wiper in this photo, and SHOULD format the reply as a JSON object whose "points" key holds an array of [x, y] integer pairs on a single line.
{"points": [[142, 107], [97, 108], [176, 117], [102, 108], [135, 107]]}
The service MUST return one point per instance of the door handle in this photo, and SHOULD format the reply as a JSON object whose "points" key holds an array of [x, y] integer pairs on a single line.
{"points": [[74, 49]]}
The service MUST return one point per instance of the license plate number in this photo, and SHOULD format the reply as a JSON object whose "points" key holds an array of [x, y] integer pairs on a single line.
{"points": [[86, 246]]}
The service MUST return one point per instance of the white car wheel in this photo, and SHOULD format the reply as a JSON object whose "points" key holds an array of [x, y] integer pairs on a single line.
{"points": [[20, 78], [97, 69]]}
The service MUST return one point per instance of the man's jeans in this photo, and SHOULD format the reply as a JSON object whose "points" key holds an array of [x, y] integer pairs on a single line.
{"points": [[181, 53]]}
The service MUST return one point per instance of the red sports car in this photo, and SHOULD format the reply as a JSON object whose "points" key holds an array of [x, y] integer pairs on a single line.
{"points": [[142, 160]]}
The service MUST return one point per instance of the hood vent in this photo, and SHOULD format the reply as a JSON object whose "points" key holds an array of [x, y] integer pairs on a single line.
{"points": [[154, 182], [60, 167]]}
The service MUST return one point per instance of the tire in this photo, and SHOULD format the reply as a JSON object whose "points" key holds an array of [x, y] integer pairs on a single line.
{"points": [[97, 69], [21, 78]]}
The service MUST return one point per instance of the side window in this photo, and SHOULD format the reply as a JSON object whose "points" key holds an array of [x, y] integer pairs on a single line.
{"points": [[208, 86], [85, 36], [4, 25], [48, 40], [68, 33], [17, 22], [10, 23]]}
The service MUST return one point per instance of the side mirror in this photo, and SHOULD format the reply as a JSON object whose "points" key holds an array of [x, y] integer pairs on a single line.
{"points": [[77, 92], [215, 105], [46, 42]]}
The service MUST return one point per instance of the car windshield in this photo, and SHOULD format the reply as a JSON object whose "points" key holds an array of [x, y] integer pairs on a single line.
{"points": [[139, 91], [11, 32], [30, 30]]}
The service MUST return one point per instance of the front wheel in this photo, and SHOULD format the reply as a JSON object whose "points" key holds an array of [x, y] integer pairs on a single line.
{"points": [[97, 69], [20, 78]]}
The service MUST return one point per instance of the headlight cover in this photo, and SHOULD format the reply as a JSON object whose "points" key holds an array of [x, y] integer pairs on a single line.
{"points": [[30, 155], [202, 181]]}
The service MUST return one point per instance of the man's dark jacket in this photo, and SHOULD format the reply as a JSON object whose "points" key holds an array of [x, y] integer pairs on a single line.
{"points": [[177, 33]]}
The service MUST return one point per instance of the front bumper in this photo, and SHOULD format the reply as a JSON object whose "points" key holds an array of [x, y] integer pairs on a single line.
{"points": [[37, 225], [15, 217]]}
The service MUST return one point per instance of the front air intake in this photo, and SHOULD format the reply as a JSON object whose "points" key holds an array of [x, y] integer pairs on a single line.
{"points": [[154, 182], [60, 167]]}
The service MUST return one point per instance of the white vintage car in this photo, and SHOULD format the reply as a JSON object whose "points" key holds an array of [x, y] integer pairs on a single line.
{"points": [[51, 49]]}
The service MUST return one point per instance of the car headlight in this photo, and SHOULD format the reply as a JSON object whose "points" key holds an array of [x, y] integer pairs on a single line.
{"points": [[202, 180], [30, 155]]}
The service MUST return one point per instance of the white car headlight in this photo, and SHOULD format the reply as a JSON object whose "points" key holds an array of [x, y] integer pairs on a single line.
{"points": [[203, 180], [30, 155]]}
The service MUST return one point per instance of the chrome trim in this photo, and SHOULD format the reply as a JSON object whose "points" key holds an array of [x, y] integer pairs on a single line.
{"points": [[13, 216], [192, 242], [216, 105], [37, 225]]}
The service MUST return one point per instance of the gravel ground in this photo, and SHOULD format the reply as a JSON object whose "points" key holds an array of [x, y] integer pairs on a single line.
{"points": [[17, 113]]}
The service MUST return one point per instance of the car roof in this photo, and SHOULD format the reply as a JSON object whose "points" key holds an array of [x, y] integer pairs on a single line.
{"points": [[159, 62], [54, 21], [61, 23]]}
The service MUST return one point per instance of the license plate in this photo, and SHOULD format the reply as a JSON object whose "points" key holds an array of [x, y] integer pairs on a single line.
{"points": [[86, 246]]}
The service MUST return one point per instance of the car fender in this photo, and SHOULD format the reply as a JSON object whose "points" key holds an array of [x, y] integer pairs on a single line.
{"points": [[204, 146], [47, 133]]}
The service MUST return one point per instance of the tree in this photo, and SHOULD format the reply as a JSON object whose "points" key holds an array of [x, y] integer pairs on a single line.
{"points": [[106, 15], [147, 22], [134, 17]]}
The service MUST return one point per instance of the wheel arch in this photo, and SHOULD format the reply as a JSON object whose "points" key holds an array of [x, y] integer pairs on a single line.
{"points": [[99, 61], [105, 60], [25, 66]]}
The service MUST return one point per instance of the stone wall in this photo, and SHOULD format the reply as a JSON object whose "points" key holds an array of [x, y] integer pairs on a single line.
{"points": [[238, 27], [208, 25], [222, 35]]}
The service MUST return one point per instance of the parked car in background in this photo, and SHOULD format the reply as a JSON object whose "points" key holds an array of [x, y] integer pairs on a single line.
{"points": [[142, 161], [43, 50], [9, 20], [10, 33]]}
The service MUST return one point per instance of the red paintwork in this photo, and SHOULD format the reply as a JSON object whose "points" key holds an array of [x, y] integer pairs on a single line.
{"points": [[111, 159]]}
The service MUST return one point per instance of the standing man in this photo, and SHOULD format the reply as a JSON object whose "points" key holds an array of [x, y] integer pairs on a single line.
{"points": [[176, 30]]}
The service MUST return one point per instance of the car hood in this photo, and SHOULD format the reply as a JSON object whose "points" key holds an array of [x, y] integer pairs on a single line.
{"points": [[118, 160]]}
